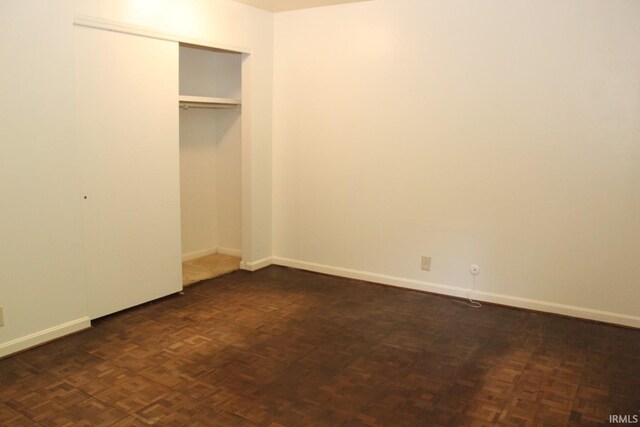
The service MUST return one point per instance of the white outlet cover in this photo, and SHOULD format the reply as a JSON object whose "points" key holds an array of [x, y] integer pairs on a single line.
{"points": [[474, 269]]}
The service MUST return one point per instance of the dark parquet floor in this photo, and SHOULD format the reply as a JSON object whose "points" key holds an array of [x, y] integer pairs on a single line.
{"points": [[283, 347]]}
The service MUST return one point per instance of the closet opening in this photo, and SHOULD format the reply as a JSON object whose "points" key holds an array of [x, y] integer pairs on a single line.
{"points": [[210, 162]]}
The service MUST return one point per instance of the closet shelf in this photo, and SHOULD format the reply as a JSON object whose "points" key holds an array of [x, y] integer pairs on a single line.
{"points": [[187, 102]]}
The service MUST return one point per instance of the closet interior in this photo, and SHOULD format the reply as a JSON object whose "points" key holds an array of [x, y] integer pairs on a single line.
{"points": [[210, 161]]}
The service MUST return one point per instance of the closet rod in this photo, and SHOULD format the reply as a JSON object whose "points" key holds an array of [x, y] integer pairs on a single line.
{"points": [[208, 106]]}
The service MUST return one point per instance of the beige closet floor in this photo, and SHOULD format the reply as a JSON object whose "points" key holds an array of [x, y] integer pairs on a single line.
{"points": [[208, 267]]}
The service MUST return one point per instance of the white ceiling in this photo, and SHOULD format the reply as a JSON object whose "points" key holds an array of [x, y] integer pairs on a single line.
{"points": [[282, 5]]}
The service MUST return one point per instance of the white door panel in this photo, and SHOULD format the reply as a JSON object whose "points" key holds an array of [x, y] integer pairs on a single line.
{"points": [[128, 137]]}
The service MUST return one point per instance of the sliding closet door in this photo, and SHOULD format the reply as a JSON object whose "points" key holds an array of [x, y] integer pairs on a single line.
{"points": [[127, 121]]}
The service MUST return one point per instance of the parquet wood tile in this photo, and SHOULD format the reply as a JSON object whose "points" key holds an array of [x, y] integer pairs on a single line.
{"points": [[173, 409], [133, 394], [16, 389], [139, 357], [283, 347], [11, 366], [221, 418], [88, 413], [164, 375], [99, 377], [45, 402], [11, 417], [131, 421]]}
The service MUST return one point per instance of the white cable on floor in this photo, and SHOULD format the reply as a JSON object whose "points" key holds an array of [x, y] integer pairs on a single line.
{"points": [[472, 303]]}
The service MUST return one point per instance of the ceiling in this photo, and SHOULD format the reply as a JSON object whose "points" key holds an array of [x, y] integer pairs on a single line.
{"points": [[282, 5]]}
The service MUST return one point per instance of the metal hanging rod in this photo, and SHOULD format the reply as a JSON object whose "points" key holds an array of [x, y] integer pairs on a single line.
{"points": [[187, 106]]}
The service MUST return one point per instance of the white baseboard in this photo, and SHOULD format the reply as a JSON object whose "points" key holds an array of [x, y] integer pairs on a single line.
{"points": [[205, 252], [231, 252], [512, 301], [42, 337], [563, 309], [256, 265], [199, 254]]}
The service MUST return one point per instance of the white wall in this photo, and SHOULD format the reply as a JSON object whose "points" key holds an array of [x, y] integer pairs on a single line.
{"points": [[205, 72], [282, 5], [229, 180], [40, 215], [211, 181], [503, 133], [198, 195]]}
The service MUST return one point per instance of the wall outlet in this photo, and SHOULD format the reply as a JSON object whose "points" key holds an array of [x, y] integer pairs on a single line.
{"points": [[1, 317], [474, 269], [426, 263]]}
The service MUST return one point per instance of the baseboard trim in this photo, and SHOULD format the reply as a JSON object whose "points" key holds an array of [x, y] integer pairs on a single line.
{"points": [[562, 309], [512, 301], [256, 265], [44, 336], [198, 254], [231, 252], [205, 252]]}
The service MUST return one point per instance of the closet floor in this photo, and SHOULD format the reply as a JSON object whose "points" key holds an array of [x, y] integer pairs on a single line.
{"points": [[208, 267]]}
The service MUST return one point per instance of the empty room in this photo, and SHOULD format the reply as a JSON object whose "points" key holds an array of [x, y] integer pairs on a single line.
{"points": [[320, 212]]}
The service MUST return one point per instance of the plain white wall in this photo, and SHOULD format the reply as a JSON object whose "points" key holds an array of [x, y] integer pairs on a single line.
{"points": [[229, 180], [282, 5], [40, 215], [503, 133], [198, 195], [205, 72], [211, 180]]}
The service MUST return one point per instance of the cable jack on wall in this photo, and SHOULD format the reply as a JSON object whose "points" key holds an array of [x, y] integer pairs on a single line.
{"points": [[474, 270]]}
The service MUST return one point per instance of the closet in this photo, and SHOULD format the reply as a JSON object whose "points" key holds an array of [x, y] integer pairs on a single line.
{"points": [[159, 137], [210, 151]]}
